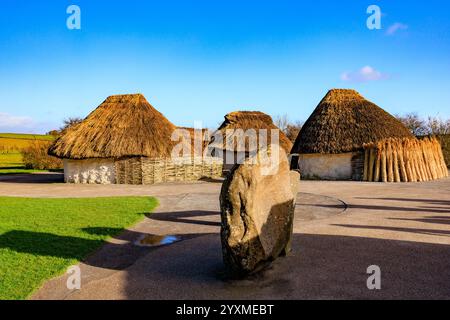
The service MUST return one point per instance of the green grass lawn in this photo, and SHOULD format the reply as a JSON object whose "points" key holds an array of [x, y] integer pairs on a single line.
{"points": [[40, 238]]}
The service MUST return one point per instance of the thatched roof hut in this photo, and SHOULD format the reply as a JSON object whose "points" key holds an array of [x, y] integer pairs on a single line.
{"points": [[343, 122], [242, 133], [126, 140], [122, 126], [256, 120], [331, 141]]}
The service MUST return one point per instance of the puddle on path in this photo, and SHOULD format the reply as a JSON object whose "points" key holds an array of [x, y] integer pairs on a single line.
{"points": [[153, 240]]}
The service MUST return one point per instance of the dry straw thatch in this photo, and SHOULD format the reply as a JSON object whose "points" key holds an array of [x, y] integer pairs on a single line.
{"points": [[343, 122], [202, 135], [404, 160], [247, 120], [122, 126]]}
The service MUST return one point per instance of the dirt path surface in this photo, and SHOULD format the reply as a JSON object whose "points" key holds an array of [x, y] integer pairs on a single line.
{"points": [[402, 228]]}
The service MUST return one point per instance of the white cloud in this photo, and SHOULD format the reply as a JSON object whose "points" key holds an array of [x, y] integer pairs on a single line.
{"points": [[9, 122], [364, 74], [396, 27]]}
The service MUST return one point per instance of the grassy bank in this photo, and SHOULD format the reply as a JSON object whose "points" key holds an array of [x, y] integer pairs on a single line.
{"points": [[41, 238]]}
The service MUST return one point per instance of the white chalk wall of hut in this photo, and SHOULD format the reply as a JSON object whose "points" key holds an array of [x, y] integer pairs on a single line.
{"points": [[326, 166], [92, 171]]}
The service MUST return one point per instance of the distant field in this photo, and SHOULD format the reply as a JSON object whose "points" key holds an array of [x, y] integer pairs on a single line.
{"points": [[25, 136], [10, 146], [11, 163], [14, 142], [13, 145], [10, 160]]}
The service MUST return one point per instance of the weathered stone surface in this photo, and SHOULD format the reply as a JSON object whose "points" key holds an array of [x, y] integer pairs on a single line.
{"points": [[257, 204]]}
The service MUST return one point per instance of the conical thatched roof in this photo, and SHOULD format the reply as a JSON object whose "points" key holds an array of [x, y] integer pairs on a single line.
{"points": [[122, 126], [256, 120], [343, 121]]}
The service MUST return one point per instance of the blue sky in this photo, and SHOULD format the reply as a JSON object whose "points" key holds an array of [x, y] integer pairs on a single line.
{"points": [[198, 60]]}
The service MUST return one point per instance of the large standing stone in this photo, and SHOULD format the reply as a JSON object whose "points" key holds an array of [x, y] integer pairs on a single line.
{"points": [[257, 204]]}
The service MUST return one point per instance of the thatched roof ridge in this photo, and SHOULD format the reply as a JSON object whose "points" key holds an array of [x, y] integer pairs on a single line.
{"points": [[256, 120], [343, 122], [122, 126]]}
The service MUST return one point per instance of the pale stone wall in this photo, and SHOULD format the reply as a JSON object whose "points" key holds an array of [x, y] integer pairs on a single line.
{"points": [[326, 166], [99, 171]]}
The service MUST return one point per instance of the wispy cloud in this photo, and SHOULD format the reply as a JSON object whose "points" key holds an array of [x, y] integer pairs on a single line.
{"points": [[398, 26], [10, 122], [365, 74]]}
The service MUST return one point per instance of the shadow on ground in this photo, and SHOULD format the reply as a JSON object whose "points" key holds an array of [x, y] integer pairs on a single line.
{"points": [[109, 255], [443, 233], [434, 220], [189, 217], [47, 177], [47, 244], [391, 208], [432, 201], [319, 267]]}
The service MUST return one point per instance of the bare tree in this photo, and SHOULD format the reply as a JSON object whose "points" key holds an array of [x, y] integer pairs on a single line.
{"points": [[420, 127], [70, 122], [282, 122], [414, 123], [293, 129], [437, 126], [290, 129], [54, 133]]}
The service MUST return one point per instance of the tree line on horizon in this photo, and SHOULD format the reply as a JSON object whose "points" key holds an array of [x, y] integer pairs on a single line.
{"points": [[419, 126]]}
